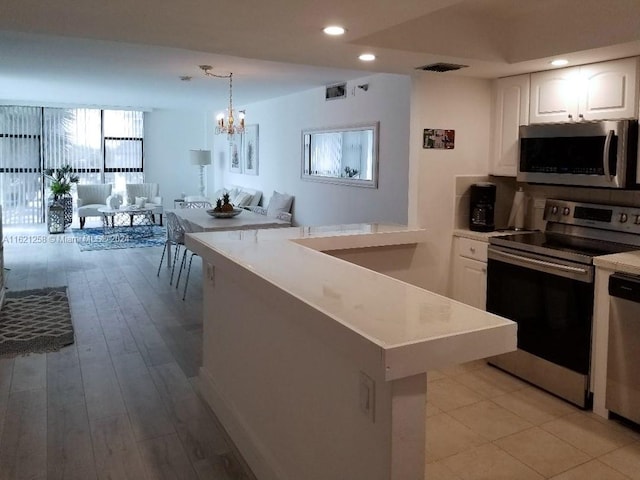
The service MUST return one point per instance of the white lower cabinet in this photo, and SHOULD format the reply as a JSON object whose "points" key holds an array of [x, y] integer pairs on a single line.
{"points": [[470, 272]]}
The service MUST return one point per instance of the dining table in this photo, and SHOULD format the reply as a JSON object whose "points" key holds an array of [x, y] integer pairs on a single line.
{"points": [[198, 220]]}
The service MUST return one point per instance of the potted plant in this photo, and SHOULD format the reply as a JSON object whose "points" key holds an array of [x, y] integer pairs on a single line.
{"points": [[61, 180]]}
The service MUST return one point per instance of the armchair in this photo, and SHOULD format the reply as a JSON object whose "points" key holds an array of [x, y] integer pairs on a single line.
{"points": [[91, 198], [148, 192]]}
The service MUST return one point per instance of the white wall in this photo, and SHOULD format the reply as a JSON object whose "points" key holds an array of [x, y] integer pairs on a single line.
{"points": [[412, 179], [169, 135], [449, 102], [281, 122]]}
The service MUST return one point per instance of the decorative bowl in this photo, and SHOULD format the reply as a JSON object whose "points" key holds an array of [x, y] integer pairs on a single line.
{"points": [[236, 211]]}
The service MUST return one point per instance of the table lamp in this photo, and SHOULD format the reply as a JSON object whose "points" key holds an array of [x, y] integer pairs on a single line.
{"points": [[201, 158]]}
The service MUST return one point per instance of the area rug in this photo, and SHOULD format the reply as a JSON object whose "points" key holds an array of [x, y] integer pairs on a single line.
{"points": [[89, 239], [35, 321]]}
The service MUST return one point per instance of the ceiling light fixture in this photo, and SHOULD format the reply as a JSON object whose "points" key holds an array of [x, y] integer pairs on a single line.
{"points": [[226, 123], [559, 62], [334, 30], [367, 57]]}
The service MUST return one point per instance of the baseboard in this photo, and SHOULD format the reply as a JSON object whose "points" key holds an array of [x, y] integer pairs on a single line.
{"points": [[254, 452]]}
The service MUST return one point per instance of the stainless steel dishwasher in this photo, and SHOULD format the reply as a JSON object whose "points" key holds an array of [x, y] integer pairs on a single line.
{"points": [[623, 378]]}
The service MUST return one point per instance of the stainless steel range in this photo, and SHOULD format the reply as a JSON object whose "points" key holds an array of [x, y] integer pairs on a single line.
{"points": [[544, 281]]}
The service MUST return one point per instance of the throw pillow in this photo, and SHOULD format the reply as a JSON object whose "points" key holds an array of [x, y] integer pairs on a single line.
{"points": [[219, 193], [242, 199], [233, 193], [141, 201], [278, 203]]}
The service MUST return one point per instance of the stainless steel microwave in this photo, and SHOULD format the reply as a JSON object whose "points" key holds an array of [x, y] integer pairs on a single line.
{"points": [[589, 154]]}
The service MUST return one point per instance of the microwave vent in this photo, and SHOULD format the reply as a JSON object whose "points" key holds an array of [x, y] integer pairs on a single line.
{"points": [[441, 67]]}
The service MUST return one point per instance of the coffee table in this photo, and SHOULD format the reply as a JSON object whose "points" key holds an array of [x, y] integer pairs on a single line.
{"points": [[127, 221]]}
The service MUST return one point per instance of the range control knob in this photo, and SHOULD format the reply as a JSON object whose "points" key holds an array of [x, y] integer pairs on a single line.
{"points": [[637, 222], [566, 211], [623, 218], [554, 209]]}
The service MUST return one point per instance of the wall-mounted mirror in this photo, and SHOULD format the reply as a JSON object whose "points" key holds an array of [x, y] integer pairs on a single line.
{"points": [[346, 155]]}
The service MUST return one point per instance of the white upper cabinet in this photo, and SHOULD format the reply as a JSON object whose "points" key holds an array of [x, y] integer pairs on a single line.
{"points": [[554, 97], [511, 109], [601, 91], [609, 90]]}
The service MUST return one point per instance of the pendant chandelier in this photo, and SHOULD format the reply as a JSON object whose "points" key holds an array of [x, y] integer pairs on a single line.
{"points": [[227, 123]]}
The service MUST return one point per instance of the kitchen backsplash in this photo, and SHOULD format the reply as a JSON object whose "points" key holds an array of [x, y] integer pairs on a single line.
{"points": [[536, 195], [505, 189]]}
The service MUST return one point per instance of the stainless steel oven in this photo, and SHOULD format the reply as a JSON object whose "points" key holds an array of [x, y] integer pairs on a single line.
{"points": [[592, 154], [544, 281], [551, 299]]}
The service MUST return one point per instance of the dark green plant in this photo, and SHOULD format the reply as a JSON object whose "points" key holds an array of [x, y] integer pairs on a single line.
{"points": [[61, 180], [350, 172]]}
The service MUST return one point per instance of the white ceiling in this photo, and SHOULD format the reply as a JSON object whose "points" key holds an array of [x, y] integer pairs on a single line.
{"points": [[131, 53]]}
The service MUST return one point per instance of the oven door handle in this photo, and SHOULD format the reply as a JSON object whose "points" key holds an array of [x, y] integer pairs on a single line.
{"points": [[605, 155], [548, 267]]}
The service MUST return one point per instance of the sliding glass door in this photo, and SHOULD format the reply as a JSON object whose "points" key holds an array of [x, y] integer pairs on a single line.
{"points": [[123, 148], [21, 164], [102, 146]]}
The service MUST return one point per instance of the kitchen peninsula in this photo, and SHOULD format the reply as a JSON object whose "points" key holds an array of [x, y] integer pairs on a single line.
{"points": [[316, 366]]}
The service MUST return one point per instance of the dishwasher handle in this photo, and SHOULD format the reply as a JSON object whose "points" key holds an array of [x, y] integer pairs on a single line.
{"points": [[622, 285]]}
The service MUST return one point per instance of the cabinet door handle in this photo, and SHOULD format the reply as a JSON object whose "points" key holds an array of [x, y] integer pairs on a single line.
{"points": [[472, 249], [570, 116], [605, 155], [581, 116]]}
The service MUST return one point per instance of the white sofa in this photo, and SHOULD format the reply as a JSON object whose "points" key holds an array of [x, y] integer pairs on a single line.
{"points": [[92, 197], [150, 193], [240, 196], [279, 207]]}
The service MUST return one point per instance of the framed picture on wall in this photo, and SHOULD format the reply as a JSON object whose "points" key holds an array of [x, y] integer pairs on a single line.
{"points": [[250, 150], [235, 154]]}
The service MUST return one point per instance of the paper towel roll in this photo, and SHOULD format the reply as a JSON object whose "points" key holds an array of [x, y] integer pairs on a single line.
{"points": [[516, 216]]}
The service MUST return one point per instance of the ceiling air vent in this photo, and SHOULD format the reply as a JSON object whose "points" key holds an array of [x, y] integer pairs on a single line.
{"points": [[441, 67]]}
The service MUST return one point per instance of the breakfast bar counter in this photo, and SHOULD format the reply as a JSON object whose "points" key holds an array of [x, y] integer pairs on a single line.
{"points": [[316, 366]]}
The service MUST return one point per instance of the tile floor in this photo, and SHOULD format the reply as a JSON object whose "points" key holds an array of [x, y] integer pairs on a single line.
{"points": [[485, 424]]}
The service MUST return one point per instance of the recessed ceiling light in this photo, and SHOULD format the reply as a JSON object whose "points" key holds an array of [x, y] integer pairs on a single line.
{"points": [[559, 62], [367, 57], [334, 30]]}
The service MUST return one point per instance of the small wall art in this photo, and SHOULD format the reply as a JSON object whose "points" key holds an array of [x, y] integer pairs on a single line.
{"points": [[438, 138], [250, 150], [235, 153]]}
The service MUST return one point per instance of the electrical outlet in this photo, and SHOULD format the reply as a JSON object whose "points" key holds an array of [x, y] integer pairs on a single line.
{"points": [[367, 396]]}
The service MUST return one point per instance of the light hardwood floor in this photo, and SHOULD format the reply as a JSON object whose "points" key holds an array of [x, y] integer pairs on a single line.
{"points": [[121, 402]]}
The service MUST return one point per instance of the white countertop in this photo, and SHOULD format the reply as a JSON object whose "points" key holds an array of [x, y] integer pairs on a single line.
{"points": [[627, 262], [484, 236], [399, 318]]}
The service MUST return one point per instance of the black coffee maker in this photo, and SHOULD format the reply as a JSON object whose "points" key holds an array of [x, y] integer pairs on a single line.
{"points": [[482, 206]]}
